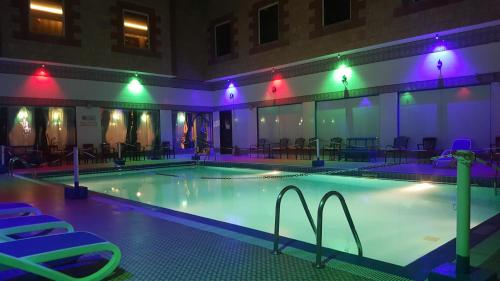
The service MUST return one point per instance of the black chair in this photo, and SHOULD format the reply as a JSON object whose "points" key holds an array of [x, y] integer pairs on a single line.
{"points": [[107, 152], [126, 150], [310, 148], [139, 151], [165, 149], [281, 147], [426, 149], [53, 155], [88, 152], [334, 148], [398, 149], [298, 147], [260, 146], [68, 153]]}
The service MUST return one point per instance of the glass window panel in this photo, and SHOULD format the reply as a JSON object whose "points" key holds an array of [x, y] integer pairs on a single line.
{"points": [[278, 122], [192, 129]]}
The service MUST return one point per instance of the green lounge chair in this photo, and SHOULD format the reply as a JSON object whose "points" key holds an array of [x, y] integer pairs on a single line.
{"points": [[29, 254], [18, 208], [28, 226]]}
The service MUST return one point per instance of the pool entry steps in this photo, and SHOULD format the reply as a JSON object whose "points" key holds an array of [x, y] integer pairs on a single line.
{"points": [[318, 231]]}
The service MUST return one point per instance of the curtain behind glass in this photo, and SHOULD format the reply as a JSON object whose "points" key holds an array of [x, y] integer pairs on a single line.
{"points": [[115, 121], [70, 125], [3, 125], [145, 129], [155, 118], [132, 127], [188, 134], [105, 117], [20, 126]]}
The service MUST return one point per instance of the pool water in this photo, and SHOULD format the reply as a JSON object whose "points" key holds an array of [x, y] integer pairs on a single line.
{"points": [[397, 221]]}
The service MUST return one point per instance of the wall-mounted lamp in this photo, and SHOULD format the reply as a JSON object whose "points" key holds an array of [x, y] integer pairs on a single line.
{"points": [[230, 90], [439, 65], [344, 81], [135, 86], [42, 71]]}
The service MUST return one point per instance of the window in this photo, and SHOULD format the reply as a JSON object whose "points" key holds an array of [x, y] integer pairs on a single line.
{"points": [[335, 11], [223, 39], [135, 30], [47, 17], [268, 24]]}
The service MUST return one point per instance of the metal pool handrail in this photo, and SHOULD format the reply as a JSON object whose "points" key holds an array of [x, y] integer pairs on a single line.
{"points": [[276, 250], [319, 233]]}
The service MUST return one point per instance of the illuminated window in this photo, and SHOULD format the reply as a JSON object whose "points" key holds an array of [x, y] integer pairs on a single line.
{"points": [[135, 30], [335, 11], [268, 24], [47, 17]]}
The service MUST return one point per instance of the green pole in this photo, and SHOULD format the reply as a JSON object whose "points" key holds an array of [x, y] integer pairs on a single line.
{"points": [[464, 160]]}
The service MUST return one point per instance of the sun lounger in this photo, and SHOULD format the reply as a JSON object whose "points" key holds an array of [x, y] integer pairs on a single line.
{"points": [[446, 160], [30, 254], [12, 228], [17, 208]]}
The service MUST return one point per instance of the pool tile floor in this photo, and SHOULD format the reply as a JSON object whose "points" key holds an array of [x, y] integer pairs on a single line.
{"points": [[159, 249]]}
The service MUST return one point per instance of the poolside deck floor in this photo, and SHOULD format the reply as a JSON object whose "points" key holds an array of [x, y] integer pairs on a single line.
{"points": [[158, 249]]}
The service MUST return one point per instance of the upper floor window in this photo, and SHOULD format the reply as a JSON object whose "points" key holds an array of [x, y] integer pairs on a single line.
{"points": [[47, 17], [135, 30], [414, 6], [223, 39], [335, 11], [268, 23]]}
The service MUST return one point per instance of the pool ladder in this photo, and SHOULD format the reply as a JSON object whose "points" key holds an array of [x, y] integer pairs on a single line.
{"points": [[318, 231]]}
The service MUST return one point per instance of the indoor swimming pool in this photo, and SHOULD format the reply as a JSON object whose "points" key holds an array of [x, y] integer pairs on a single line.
{"points": [[397, 221]]}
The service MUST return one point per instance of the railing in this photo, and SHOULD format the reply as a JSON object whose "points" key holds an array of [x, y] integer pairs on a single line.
{"points": [[276, 250], [319, 233]]}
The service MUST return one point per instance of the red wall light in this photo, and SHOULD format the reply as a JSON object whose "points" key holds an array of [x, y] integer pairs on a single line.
{"points": [[42, 71]]}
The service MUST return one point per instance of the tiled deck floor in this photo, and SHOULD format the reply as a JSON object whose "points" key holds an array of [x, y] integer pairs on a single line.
{"points": [[158, 249]]}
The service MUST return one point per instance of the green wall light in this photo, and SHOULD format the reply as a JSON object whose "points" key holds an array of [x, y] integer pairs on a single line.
{"points": [[135, 86], [340, 72]]}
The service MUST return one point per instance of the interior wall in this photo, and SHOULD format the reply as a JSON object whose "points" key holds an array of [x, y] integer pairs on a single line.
{"points": [[348, 118], [166, 125], [61, 88], [88, 126], [447, 114], [244, 127], [456, 63]]}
